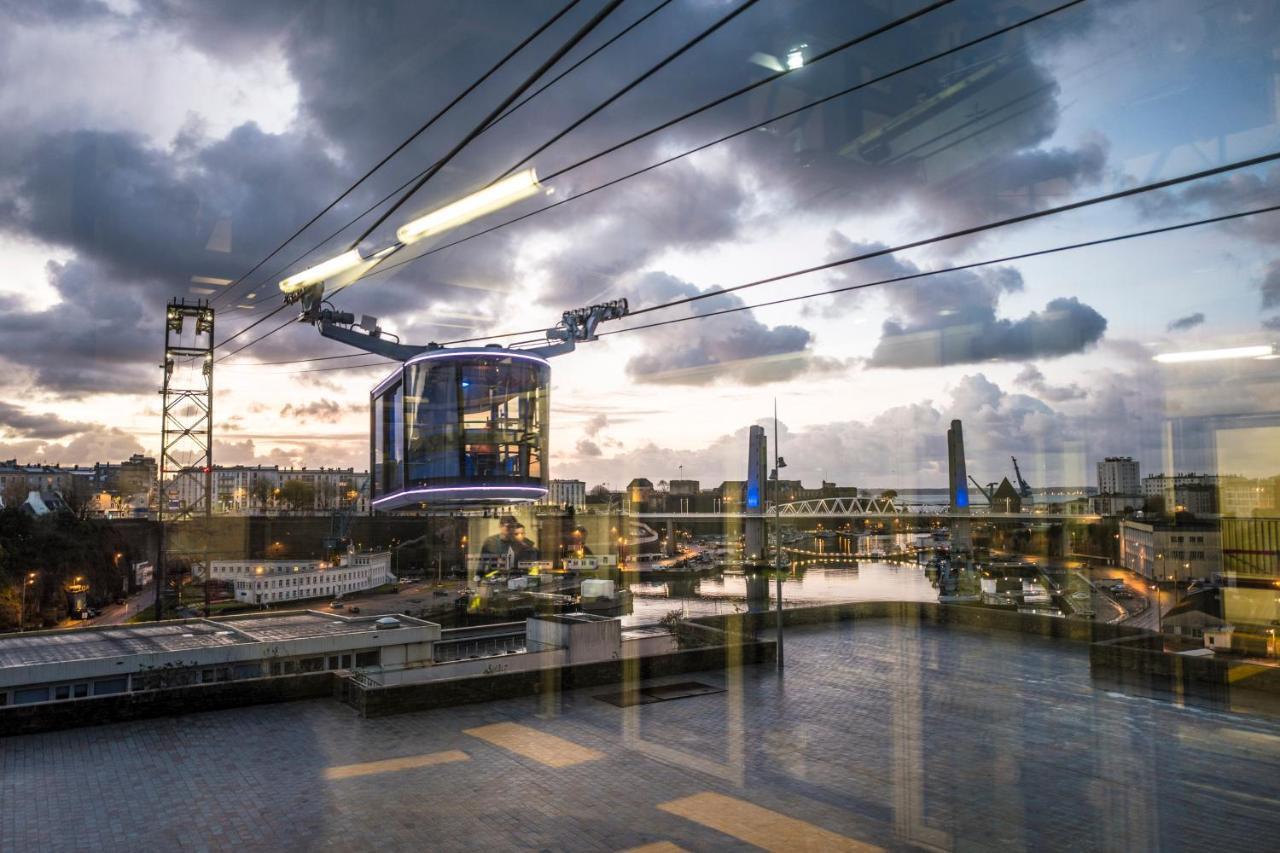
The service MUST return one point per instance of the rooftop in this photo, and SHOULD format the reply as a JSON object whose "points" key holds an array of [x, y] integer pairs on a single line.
{"points": [[80, 644]]}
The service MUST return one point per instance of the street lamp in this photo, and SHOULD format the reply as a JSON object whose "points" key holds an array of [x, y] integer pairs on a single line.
{"points": [[22, 613]]}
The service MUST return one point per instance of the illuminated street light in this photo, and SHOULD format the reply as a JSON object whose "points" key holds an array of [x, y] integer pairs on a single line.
{"points": [[22, 613], [795, 58], [493, 197], [1256, 352], [322, 271]]}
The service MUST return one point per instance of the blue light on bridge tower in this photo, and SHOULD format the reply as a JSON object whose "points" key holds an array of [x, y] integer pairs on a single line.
{"points": [[753, 495], [962, 496]]}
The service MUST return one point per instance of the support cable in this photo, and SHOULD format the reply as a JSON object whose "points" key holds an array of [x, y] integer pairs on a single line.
{"points": [[456, 100], [1164, 229]]}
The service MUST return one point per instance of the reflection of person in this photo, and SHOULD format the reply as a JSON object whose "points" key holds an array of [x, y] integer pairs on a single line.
{"points": [[530, 547], [508, 543], [578, 542]]}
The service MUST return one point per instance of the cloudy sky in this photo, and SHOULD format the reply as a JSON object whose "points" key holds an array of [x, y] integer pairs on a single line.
{"points": [[149, 147]]}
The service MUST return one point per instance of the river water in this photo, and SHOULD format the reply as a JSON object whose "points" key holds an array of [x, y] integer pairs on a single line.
{"points": [[726, 592]]}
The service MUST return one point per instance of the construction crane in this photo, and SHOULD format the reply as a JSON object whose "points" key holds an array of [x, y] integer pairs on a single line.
{"points": [[1024, 490], [988, 491]]}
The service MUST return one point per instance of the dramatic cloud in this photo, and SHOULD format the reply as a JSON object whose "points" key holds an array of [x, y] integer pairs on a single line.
{"points": [[1065, 326], [100, 444], [1032, 379], [295, 452], [96, 341], [1270, 286], [323, 411], [19, 421], [587, 447], [734, 347], [1231, 193], [595, 424], [951, 318], [1190, 321], [680, 207], [905, 446]]}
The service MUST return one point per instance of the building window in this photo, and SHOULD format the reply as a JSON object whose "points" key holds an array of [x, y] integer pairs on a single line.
{"points": [[62, 691], [367, 658], [31, 695], [108, 686]]}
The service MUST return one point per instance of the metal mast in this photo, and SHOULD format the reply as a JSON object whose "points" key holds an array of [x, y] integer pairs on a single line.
{"points": [[186, 432]]}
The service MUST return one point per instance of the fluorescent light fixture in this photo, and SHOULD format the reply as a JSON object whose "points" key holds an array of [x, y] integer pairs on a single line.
{"points": [[493, 197], [765, 60], [795, 59], [1260, 352], [322, 271]]}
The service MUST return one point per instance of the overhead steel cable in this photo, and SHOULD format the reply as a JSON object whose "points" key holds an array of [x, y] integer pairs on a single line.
{"points": [[439, 164], [654, 69], [976, 229], [764, 81], [1035, 253], [409, 181], [581, 33], [264, 335], [386, 268], [955, 268], [556, 79], [422, 129], [851, 42], [252, 325]]}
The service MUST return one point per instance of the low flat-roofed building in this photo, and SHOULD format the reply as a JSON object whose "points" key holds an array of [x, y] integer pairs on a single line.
{"points": [[81, 663], [1163, 551], [275, 581]]}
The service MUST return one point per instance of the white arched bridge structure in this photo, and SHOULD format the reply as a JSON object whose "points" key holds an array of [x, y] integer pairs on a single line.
{"points": [[820, 508]]}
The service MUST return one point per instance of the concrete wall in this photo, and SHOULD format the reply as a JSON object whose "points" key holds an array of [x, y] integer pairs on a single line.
{"points": [[1143, 663], [927, 612], [382, 701], [29, 719]]}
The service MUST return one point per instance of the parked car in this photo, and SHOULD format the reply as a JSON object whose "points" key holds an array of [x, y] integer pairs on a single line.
{"points": [[353, 609], [337, 605]]}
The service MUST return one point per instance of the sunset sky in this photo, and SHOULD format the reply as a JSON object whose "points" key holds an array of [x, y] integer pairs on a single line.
{"points": [[146, 144]]}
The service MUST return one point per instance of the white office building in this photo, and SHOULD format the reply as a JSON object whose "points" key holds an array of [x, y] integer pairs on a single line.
{"points": [[566, 493], [1118, 475], [273, 582]]}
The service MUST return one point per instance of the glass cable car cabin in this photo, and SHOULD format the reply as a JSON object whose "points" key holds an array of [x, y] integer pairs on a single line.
{"points": [[461, 427]]}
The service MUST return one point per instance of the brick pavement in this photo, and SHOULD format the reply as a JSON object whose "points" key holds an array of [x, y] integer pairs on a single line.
{"points": [[889, 735]]}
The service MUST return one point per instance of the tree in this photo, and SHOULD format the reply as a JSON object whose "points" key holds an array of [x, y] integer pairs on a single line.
{"points": [[889, 494], [260, 491], [298, 494]]}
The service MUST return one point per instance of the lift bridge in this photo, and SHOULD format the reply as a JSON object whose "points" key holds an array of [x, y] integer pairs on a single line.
{"points": [[878, 508]]}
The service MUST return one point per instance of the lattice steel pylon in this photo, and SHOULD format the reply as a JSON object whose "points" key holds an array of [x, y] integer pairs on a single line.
{"points": [[186, 432]]}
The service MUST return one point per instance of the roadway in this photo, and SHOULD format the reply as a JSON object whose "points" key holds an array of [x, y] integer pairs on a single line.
{"points": [[116, 614]]}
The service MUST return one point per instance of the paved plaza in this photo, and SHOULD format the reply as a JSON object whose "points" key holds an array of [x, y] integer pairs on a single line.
{"points": [[879, 735]]}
